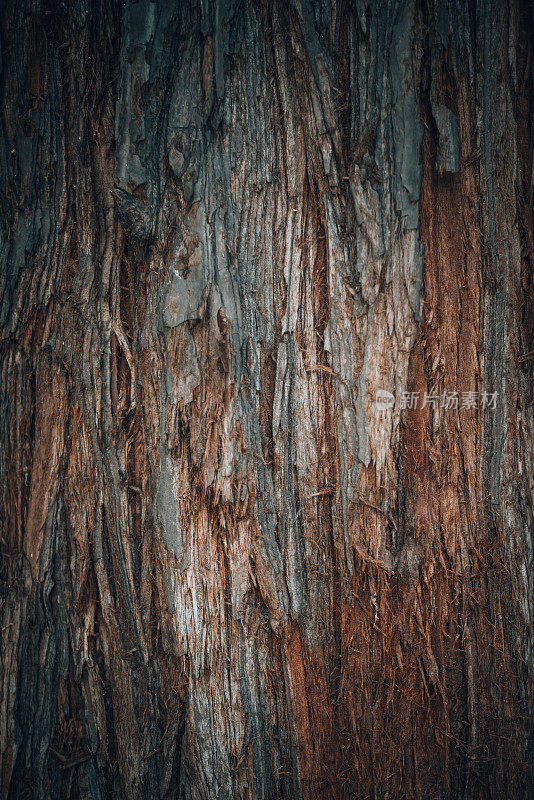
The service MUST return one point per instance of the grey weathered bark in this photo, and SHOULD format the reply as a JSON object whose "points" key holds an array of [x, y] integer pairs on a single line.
{"points": [[226, 573]]}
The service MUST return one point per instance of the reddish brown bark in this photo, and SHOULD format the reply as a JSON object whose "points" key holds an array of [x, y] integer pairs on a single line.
{"points": [[226, 570]]}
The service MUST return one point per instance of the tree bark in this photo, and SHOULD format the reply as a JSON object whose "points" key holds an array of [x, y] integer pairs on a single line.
{"points": [[229, 568]]}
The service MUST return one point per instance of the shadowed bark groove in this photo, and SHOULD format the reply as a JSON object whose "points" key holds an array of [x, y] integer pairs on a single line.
{"points": [[227, 571]]}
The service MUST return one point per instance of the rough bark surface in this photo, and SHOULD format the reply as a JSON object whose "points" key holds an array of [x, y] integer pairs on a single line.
{"points": [[226, 573]]}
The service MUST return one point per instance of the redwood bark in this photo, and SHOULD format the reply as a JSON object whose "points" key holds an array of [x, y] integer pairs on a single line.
{"points": [[226, 571]]}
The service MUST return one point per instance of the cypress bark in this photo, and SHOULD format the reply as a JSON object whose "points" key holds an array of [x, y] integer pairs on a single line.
{"points": [[230, 566]]}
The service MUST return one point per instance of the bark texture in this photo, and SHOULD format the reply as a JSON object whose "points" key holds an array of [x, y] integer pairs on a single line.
{"points": [[226, 573]]}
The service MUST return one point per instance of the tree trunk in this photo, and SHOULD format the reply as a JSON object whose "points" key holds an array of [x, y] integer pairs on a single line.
{"points": [[234, 566]]}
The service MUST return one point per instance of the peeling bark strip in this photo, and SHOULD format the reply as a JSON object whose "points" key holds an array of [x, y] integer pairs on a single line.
{"points": [[227, 230]]}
